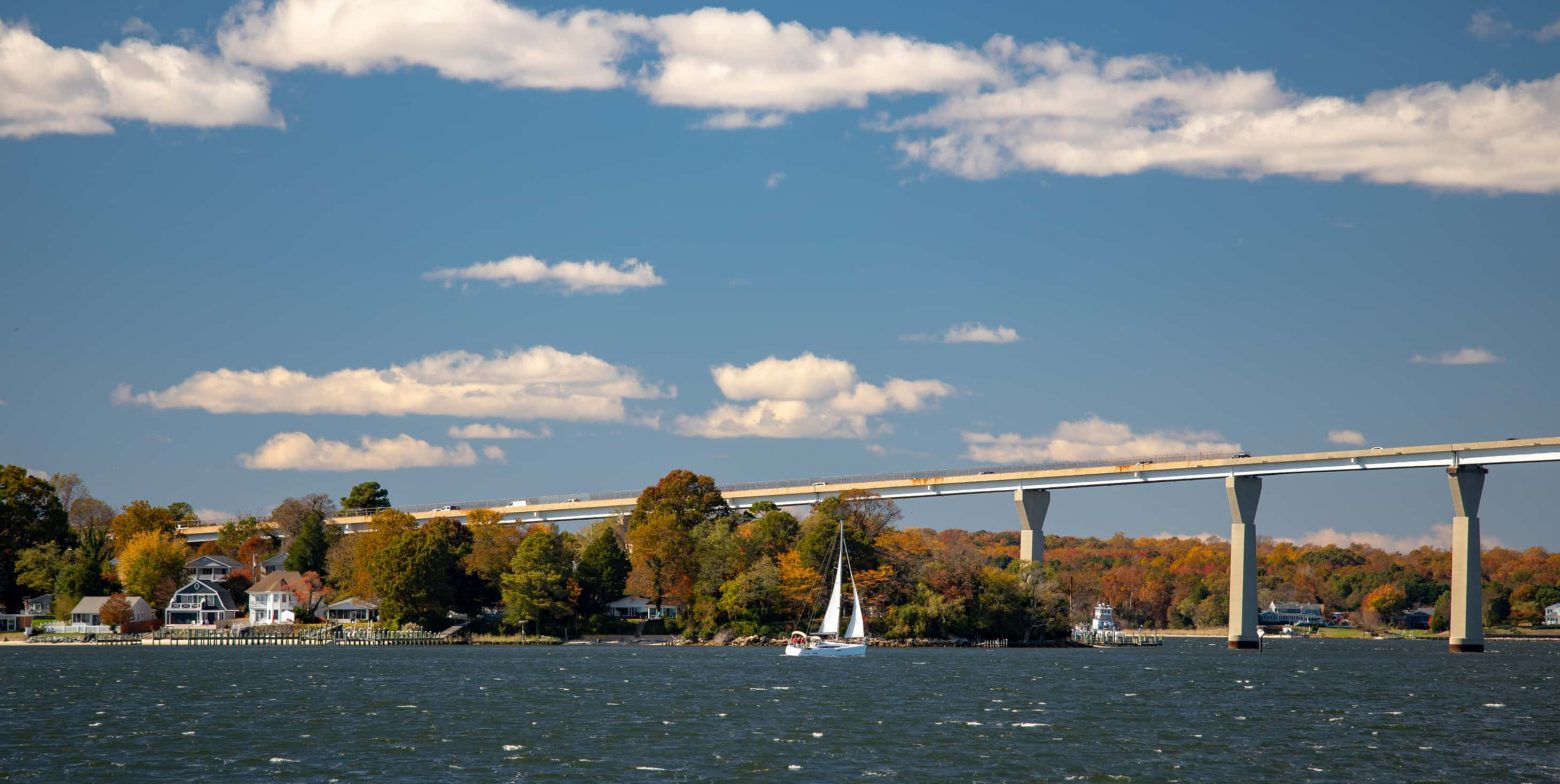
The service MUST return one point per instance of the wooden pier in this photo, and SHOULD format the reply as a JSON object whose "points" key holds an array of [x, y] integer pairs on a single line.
{"points": [[1116, 639]]}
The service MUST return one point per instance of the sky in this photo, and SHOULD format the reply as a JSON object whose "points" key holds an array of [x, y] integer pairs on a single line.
{"points": [[476, 250]]}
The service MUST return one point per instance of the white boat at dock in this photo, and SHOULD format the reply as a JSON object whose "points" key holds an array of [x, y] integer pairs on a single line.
{"points": [[1104, 631]]}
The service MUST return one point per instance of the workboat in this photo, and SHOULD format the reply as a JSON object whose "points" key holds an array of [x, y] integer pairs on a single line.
{"points": [[828, 641]]}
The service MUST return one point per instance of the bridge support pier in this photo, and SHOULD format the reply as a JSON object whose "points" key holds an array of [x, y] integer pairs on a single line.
{"points": [[1243, 492], [1032, 506], [1467, 621]]}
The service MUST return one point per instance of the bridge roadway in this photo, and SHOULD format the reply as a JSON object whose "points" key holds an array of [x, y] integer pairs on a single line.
{"points": [[1465, 464]]}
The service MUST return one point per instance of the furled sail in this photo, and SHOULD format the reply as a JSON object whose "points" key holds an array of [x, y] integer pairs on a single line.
{"points": [[831, 616]]}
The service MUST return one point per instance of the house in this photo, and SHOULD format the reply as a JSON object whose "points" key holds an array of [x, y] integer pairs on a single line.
{"points": [[85, 616], [1416, 618], [640, 607], [211, 568], [353, 609], [274, 563], [1552, 615], [1292, 613], [275, 598], [39, 606], [200, 603]]}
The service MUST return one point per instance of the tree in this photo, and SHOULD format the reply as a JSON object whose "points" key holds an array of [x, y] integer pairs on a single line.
{"points": [[88, 512], [140, 517], [39, 566], [68, 488], [661, 554], [493, 546], [753, 595], [30, 514], [83, 570], [537, 588], [602, 572], [307, 552], [366, 496], [183, 512], [233, 534], [410, 568], [1497, 604], [1387, 600], [291, 512], [309, 591], [149, 563], [1441, 619], [688, 497], [115, 612], [771, 533]]}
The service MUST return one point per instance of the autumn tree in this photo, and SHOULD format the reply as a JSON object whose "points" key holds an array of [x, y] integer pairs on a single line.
{"points": [[182, 512], [140, 517], [150, 565], [290, 514], [538, 586], [687, 497], [365, 496], [115, 612], [89, 512], [661, 552], [409, 568], [309, 593], [493, 546], [30, 514], [68, 488], [1385, 601]]}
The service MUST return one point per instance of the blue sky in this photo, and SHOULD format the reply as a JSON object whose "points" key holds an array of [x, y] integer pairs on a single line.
{"points": [[1207, 225]]}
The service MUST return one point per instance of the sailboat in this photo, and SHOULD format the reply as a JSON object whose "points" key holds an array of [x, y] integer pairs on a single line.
{"points": [[828, 641]]}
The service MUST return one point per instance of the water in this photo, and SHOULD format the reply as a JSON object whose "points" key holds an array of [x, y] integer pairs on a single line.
{"points": [[1303, 710]]}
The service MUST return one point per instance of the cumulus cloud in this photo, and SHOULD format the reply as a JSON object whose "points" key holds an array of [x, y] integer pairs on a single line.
{"points": [[756, 70], [302, 452], [484, 431], [1346, 437], [48, 89], [1439, 536], [468, 40], [1092, 439], [1489, 26], [494, 453], [805, 397], [533, 383], [774, 179], [1462, 356], [1074, 112], [975, 332], [579, 277], [1549, 32]]}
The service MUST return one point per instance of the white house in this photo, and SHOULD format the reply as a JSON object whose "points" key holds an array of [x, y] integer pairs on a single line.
{"points": [[353, 609], [1292, 613], [275, 598], [85, 616], [1552, 615], [640, 607], [200, 603], [211, 568]]}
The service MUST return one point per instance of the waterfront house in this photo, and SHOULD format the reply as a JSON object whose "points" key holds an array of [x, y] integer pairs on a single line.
{"points": [[1552, 615], [84, 617], [1292, 613], [638, 607], [275, 598], [353, 609], [274, 563], [200, 603], [1416, 618], [39, 606], [211, 568]]}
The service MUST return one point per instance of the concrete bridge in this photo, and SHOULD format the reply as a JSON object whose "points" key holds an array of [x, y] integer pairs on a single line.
{"points": [[1466, 465]]}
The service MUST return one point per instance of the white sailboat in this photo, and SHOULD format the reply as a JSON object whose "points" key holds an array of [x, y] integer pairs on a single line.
{"points": [[828, 641]]}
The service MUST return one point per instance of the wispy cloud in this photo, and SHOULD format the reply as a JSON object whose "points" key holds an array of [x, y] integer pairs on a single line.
{"points": [[484, 431], [1439, 536], [1346, 437], [969, 332], [579, 277], [302, 452], [533, 383], [805, 397], [1092, 438], [774, 179], [1490, 25], [1462, 356]]}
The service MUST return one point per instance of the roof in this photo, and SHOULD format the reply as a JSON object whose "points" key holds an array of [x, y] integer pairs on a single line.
{"points": [[276, 582], [90, 605], [218, 560], [223, 596], [1555, 606], [276, 560], [354, 603], [640, 601], [40, 597]]}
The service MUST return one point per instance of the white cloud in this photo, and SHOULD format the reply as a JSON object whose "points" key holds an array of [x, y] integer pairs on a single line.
{"points": [[494, 453], [1489, 26], [481, 430], [1462, 356], [138, 27], [774, 179], [534, 383], [1549, 32], [1076, 113], [805, 397], [714, 58], [47, 89], [739, 119], [1092, 439], [975, 332], [468, 40], [1440, 537], [1346, 437], [213, 515], [301, 452], [582, 277]]}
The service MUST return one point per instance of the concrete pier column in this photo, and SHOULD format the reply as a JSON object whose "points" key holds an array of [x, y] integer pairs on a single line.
{"points": [[1032, 506], [1243, 492], [1467, 627]]}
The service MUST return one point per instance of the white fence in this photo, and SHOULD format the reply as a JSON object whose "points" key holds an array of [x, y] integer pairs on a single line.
{"points": [[75, 628]]}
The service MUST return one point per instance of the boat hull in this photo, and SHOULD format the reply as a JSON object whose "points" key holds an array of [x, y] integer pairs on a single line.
{"points": [[835, 649]]}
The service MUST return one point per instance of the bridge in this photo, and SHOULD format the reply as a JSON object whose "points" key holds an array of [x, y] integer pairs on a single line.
{"points": [[1466, 465]]}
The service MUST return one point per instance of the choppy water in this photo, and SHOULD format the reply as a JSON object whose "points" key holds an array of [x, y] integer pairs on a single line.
{"points": [[1303, 710]]}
